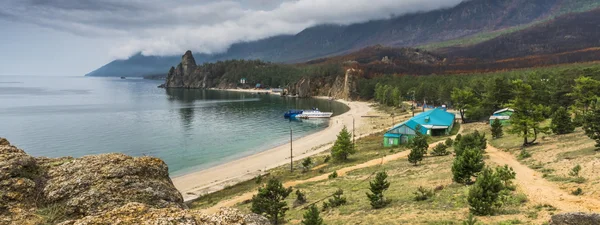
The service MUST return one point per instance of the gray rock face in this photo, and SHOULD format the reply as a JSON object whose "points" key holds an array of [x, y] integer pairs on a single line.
{"points": [[341, 87], [98, 189], [576, 218]]}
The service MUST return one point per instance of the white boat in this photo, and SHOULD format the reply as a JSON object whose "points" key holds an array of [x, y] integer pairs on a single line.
{"points": [[313, 114]]}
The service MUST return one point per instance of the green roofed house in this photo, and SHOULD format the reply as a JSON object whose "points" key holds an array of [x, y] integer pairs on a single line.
{"points": [[436, 122], [503, 115]]}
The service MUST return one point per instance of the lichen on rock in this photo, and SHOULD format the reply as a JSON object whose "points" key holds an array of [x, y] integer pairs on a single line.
{"points": [[98, 189], [575, 218]]}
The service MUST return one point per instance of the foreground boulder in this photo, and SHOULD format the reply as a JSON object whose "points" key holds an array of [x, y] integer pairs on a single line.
{"points": [[137, 213], [576, 218], [99, 189]]}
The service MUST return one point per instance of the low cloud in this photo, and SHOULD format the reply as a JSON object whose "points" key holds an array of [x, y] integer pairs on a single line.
{"points": [[157, 27]]}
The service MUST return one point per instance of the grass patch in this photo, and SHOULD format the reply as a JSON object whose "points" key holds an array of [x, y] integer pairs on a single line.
{"points": [[555, 178], [577, 153], [53, 214]]}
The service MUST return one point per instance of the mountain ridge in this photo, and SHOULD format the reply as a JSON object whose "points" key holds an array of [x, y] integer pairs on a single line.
{"points": [[467, 18]]}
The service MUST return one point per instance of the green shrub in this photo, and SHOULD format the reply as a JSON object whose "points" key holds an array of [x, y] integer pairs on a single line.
{"points": [[418, 150], [377, 187], [300, 197], [467, 165], [473, 140], [335, 201], [270, 201], [484, 196], [258, 179], [449, 142], [591, 123], [333, 175], [327, 158], [497, 129], [561, 122], [575, 171], [306, 164], [506, 175], [577, 191], [342, 148], [524, 154], [471, 220], [312, 216], [422, 194], [440, 150]]}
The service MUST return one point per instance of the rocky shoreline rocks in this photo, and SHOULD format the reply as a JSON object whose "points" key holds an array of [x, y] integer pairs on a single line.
{"points": [[98, 189]]}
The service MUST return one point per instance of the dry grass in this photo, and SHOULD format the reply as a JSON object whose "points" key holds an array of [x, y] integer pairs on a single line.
{"points": [[556, 155], [448, 204]]}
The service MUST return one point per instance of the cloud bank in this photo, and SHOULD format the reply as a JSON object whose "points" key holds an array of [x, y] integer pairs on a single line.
{"points": [[160, 27]]}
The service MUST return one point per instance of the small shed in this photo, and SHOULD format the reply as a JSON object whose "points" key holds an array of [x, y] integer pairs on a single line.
{"points": [[436, 122], [503, 115], [243, 81]]}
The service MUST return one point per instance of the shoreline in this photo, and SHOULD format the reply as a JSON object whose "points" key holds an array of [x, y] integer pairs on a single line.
{"points": [[216, 178]]}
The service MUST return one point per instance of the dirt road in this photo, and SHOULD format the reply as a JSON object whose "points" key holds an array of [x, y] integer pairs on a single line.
{"points": [[540, 190]]}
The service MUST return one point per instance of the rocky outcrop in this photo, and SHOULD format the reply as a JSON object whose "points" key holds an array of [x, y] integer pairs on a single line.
{"points": [[576, 218], [226, 75], [137, 213], [99, 189], [341, 87]]}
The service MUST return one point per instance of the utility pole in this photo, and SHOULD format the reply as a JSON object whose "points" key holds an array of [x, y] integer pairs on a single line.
{"points": [[353, 135], [413, 104], [291, 152]]}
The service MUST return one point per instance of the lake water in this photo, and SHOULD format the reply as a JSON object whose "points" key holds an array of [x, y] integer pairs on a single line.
{"points": [[188, 129]]}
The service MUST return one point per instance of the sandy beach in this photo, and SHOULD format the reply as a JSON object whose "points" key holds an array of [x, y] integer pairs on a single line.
{"points": [[213, 179]]}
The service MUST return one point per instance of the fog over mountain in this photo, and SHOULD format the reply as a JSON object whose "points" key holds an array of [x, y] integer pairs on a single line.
{"points": [[160, 28]]}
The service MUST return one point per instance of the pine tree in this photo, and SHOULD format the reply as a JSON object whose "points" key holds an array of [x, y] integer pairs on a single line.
{"points": [[463, 99], [473, 140], [591, 124], [270, 201], [497, 129], [312, 216], [306, 163], [440, 150], [561, 122], [527, 117], [419, 147], [336, 200], [342, 147], [585, 92], [300, 197], [484, 196], [377, 187], [466, 165]]}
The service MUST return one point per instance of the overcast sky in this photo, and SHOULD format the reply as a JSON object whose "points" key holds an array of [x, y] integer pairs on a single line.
{"points": [[74, 37]]}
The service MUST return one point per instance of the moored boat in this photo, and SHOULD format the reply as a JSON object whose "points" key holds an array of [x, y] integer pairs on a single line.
{"points": [[292, 113], [315, 113]]}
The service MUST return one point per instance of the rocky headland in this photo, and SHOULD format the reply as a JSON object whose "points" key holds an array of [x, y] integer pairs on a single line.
{"points": [[98, 189], [223, 75]]}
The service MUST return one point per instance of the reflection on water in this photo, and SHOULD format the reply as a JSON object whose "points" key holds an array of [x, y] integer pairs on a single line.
{"points": [[189, 129]]}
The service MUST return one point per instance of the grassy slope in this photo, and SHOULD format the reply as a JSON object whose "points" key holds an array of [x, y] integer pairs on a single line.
{"points": [[555, 155], [445, 207], [572, 7], [448, 206]]}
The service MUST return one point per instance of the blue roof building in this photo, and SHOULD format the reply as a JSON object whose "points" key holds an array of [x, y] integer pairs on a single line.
{"points": [[436, 122]]}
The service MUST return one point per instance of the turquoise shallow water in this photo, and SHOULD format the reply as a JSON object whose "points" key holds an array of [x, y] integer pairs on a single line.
{"points": [[188, 129]]}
